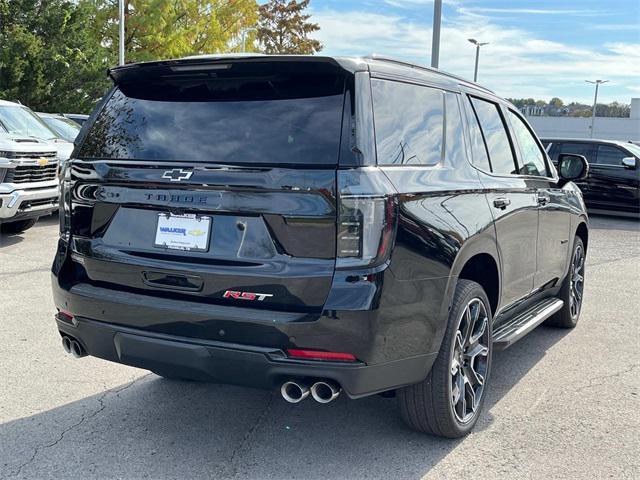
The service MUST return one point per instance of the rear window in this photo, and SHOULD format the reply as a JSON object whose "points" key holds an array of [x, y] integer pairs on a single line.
{"points": [[277, 119]]}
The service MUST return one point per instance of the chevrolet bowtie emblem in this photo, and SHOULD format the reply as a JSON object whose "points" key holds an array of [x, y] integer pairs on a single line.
{"points": [[177, 174]]}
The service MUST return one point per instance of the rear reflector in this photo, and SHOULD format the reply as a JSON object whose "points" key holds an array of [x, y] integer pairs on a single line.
{"points": [[65, 316], [318, 355]]}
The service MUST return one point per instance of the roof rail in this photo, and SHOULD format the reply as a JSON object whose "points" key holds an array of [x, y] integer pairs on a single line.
{"points": [[375, 56]]}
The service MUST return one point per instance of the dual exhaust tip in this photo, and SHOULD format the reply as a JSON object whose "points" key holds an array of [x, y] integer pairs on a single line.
{"points": [[73, 347], [323, 391]]}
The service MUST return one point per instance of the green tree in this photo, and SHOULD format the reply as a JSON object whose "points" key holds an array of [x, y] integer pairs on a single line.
{"points": [[48, 59], [556, 102], [284, 28], [161, 29]]}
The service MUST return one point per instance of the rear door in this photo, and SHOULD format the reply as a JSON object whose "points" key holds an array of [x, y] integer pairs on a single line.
{"points": [[513, 199], [216, 186], [612, 185]]}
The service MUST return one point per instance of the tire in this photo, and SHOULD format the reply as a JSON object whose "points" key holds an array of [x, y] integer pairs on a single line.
{"points": [[431, 406], [18, 226], [571, 292]]}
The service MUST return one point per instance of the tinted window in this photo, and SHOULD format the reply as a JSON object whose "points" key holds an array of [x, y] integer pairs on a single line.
{"points": [[608, 155], [496, 137], [409, 123], [533, 162], [282, 119], [454, 138], [478, 148], [577, 148]]}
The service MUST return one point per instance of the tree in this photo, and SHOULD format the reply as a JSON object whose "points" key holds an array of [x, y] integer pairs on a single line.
{"points": [[48, 59], [284, 28], [160, 29], [556, 102]]}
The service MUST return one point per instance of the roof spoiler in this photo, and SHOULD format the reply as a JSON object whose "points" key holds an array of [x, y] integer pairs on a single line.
{"points": [[211, 65]]}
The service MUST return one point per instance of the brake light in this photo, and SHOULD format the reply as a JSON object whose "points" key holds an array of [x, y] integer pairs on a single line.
{"points": [[319, 355], [366, 220], [64, 205]]}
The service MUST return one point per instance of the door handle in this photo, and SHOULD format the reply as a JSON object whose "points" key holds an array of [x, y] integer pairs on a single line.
{"points": [[501, 202], [543, 198]]}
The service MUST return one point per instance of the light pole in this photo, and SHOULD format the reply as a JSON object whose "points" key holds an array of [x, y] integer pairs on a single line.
{"points": [[478, 45], [121, 29], [595, 101], [435, 39], [243, 34]]}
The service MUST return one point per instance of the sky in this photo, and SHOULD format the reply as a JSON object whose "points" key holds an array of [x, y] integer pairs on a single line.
{"points": [[539, 49]]}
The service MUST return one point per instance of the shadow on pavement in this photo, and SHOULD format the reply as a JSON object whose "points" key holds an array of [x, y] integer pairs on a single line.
{"points": [[7, 240], [155, 428], [607, 222]]}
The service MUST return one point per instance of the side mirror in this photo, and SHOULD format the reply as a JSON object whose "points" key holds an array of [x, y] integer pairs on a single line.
{"points": [[572, 167], [629, 162]]}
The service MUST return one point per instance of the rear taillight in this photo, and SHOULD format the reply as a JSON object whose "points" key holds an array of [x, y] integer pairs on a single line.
{"points": [[64, 205], [366, 218]]}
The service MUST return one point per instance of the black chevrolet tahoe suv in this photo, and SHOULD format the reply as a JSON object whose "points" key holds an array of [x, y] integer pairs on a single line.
{"points": [[315, 225], [613, 183]]}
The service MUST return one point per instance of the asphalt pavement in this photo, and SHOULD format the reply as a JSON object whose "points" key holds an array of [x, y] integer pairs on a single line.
{"points": [[562, 404]]}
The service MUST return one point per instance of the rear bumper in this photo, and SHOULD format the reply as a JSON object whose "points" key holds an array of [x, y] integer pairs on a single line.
{"points": [[23, 204], [250, 366]]}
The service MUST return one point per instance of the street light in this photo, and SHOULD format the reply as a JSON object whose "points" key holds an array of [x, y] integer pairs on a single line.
{"points": [[478, 45], [595, 100], [121, 32], [435, 38], [243, 34]]}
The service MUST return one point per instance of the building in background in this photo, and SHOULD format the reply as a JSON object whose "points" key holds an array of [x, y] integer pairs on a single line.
{"points": [[610, 128]]}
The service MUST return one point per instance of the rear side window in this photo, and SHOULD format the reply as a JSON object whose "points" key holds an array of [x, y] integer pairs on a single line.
{"points": [[608, 155], [533, 162], [495, 136], [408, 121], [278, 119]]}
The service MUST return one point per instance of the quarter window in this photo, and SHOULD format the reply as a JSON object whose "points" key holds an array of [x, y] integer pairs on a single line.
{"points": [[409, 123], [495, 136], [478, 148], [533, 162], [608, 155]]}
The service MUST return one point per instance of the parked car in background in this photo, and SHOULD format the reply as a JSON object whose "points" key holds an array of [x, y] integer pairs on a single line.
{"points": [[613, 183], [64, 128], [28, 181], [77, 117], [20, 121], [316, 225]]}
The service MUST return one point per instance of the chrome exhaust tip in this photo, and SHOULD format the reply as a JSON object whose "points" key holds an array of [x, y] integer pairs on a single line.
{"points": [[66, 344], [76, 349], [294, 392], [325, 391]]}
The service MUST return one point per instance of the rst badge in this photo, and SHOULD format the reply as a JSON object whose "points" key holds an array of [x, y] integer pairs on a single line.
{"points": [[246, 295]]}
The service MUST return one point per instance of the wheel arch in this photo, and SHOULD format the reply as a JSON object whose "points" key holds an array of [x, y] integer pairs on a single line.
{"points": [[582, 231], [479, 261], [483, 269]]}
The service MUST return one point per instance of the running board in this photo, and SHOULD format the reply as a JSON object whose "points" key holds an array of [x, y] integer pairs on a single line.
{"points": [[516, 328]]}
